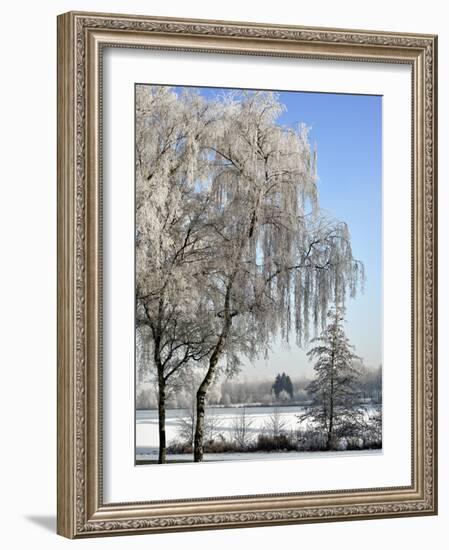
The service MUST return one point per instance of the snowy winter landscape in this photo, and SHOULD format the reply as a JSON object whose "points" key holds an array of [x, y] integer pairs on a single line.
{"points": [[258, 274]]}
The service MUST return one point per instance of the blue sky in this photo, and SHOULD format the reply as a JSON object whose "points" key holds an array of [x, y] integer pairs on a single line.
{"points": [[347, 132]]}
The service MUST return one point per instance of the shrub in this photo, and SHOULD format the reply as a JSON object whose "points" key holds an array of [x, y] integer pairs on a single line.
{"points": [[281, 442], [311, 440]]}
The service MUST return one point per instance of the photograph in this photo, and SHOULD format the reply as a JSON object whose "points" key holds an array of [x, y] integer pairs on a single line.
{"points": [[258, 274]]}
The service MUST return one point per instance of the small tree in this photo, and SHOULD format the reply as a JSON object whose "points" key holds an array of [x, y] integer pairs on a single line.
{"points": [[334, 407], [276, 424], [241, 429], [186, 426]]}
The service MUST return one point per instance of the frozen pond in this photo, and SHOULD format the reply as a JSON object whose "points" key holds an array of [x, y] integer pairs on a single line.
{"points": [[224, 419]]}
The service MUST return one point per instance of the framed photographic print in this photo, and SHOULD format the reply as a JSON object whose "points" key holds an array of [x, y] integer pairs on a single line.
{"points": [[246, 274]]}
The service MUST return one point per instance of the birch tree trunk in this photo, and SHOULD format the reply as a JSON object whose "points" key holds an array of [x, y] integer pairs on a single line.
{"points": [[204, 387], [330, 433], [207, 381], [201, 409], [161, 411], [162, 395]]}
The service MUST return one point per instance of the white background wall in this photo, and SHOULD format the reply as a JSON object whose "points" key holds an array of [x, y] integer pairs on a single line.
{"points": [[28, 271]]}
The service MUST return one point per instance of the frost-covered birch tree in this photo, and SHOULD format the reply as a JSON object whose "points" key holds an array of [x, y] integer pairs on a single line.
{"points": [[276, 263], [232, 249], [169, 242]]}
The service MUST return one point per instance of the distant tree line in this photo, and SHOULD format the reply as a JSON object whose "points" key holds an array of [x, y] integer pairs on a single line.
{"points": [[260, 392]]}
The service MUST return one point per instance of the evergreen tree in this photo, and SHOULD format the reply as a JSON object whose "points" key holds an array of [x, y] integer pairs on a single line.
{"points": [[334, 408], [282, 383]]}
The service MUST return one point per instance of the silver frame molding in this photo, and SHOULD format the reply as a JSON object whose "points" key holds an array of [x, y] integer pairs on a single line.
{"points": [[81, 38]]}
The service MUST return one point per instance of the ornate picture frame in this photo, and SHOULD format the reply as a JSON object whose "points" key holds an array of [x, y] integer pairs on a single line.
{"points": [[82, 38]]}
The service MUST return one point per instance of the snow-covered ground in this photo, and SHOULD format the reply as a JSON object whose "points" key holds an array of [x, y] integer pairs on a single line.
{"points": [[256, 418]]}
